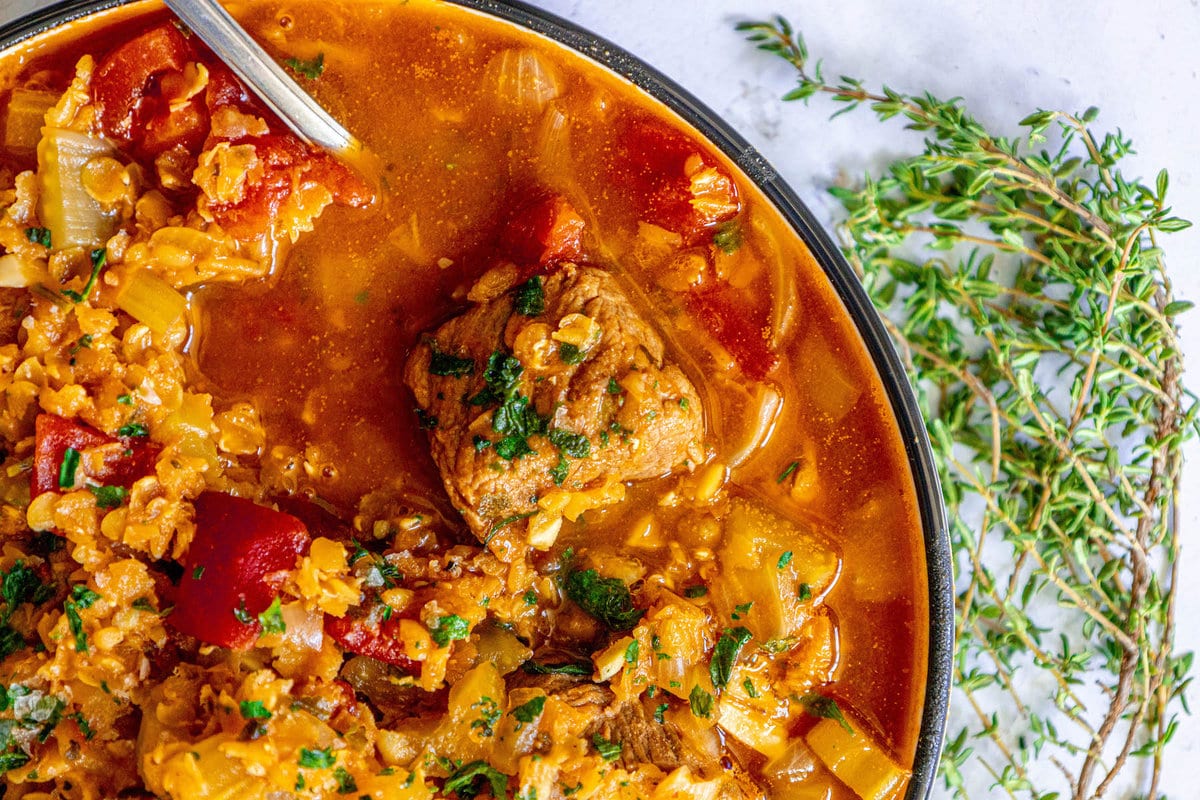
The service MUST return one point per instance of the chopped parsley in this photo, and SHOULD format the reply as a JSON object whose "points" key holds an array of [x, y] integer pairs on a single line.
{"points": [[38, 236], [748, 685], [448, 364], [198, 572], [632, 652], [449, 629], [310, 68], [804, 592], [818, 705], [132, 429], [783, 476], [18, 585], [701, 702], [66, 470], [570, 354], [99, 259], [108, 496], [728, 237], [425, 420], [466, 782], [125, 399], [272, 619], [699, 590], [560, 470], [568, 668], [605, 599], [530, 597], [741, 610], [345, 781], [489, 715], [613, 386], [659, 711], [480, 443], [609, 751], [529, 711], [253, 709], [317, 759], [241, 614], [784, 559], [529, 299], [725, 655], [575, 445]]}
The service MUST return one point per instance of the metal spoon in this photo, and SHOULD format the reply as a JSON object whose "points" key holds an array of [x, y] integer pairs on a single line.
{"points": [[233, 45]]}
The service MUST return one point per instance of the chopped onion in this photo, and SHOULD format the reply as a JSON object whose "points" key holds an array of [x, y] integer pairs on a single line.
{"points": [[74, 218], [766, 402], [522, 80], [17, 272], [305, 629]]}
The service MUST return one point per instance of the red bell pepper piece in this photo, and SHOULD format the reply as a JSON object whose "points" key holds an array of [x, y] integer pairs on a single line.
{"points": [[381, 643], [740, 330], [543, 231], [657, 164], [233, 569], [123, 78], [54, 434]]}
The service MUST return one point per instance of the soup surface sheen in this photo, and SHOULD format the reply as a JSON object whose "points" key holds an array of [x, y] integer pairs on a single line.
{"points": [[539, 460]]}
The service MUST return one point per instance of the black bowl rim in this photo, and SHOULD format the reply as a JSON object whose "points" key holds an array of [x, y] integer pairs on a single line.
{"points": [[828, 256]]}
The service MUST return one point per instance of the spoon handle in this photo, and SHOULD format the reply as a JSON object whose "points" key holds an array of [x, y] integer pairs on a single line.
{"points": [[233, 45]]}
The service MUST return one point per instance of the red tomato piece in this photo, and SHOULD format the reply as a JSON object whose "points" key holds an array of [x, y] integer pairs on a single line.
{"points": [[381, 643], [54, 434], [287, 162], [123, 77], [675, 183], [545, 230], [743, 333], [187, 127], [234, 567]]}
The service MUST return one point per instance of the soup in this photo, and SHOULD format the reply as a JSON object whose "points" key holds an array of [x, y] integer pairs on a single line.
{"points": [[542, 461]]}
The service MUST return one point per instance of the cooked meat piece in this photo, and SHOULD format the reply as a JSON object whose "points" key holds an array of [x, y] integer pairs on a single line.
{"points": [[631, 723], [545, 390]]}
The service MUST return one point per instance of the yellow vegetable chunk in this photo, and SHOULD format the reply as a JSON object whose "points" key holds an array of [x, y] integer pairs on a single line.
{"points": [[857, 760], [150, 300], [26, 114]]}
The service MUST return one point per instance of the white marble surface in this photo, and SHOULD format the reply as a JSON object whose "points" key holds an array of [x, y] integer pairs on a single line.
{"points": [[1136, 61]]}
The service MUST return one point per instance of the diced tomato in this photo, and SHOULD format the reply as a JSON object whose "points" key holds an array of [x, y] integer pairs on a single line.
{"points": [[188, 127], [543, 231], [54, 434], [224, 89], [741, 330], [237, 560], [381, 643], [287, 162], [673, 182], [123, 77]]}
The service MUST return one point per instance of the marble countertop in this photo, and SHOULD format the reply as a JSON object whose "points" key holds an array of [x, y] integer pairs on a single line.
{"points": [[1136, 62]]}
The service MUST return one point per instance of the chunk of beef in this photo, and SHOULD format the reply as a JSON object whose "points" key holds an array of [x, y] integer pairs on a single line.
{"points": [[553, 390], [643, 740]]}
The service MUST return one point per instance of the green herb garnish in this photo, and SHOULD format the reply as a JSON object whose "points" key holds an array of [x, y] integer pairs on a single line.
{"points": [[38, 236], [725, 655], [66, 470], [272, 619], [701, 702], [450, 628], [529, 299], [317, 759], [609, 751], [529, 710], [448, 364], [310, 68], [605, 599], [468, 780], [99, 259], [253, 709], [108, 496]]}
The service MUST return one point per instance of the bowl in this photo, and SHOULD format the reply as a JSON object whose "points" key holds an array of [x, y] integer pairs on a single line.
{"points": [[858, 306]]}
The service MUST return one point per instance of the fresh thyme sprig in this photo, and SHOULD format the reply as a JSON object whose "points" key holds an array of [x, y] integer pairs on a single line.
{"points": [[1041, 332]]}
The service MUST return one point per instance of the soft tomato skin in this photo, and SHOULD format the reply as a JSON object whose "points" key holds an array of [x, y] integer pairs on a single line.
{"points": [[122, 79], [543, 230], [663, 170], [381, 643], [240, 554], [54, 434]]}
